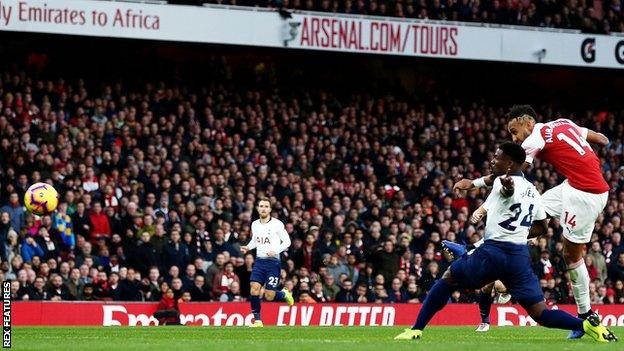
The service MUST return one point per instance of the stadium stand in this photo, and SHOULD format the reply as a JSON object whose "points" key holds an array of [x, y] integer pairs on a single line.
{"points": [[587, 16], [158, 177]]}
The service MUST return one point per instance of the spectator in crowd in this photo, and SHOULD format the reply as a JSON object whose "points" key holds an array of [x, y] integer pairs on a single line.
{"points": [[176, 253], [15, 210], [244, 273], [129, 288], [5, 228], [74, 284], [57, 290], [199, 290], [362, 294], [346, 294], [318, 294], [36, 291], [397, 294], [617, 269], [100, 224], [144, 254], [222, 282], [167, 311], [30, 249]]}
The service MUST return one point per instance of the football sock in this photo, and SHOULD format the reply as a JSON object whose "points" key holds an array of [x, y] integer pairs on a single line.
{"points": [[560, 319], [586, 314], [580, 286], [485, 303], [279, 296], [255, 306], [436, 299]]}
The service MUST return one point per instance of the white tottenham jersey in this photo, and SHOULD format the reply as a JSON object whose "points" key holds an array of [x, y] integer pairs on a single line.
{"points": [[509, 218], [267, 237]]}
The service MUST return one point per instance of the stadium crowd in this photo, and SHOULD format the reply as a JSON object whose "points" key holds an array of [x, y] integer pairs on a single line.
{"points": [[589, 16], [158, 187]]}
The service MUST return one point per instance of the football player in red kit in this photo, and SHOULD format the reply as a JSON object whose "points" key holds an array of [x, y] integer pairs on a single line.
{"points": [[577, 201]]}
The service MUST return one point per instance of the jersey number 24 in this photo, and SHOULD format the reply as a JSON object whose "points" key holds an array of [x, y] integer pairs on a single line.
{"points": [[511, 223]]}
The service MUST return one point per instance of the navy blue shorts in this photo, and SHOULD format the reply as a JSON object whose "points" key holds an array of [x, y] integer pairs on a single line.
{"points": [[496, 260], [266, 271]]}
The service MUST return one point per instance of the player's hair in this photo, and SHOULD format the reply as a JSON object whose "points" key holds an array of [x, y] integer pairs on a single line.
{"points": [[523, 114], [514, 151], [264, 198]]}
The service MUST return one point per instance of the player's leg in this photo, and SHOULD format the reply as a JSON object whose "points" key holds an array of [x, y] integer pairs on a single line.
{"points": [[580, 210], [256, 279], [485, 304], [455, 249], [524, 286], [469, 271], [436, 299], [254, 301], [271, 293], [563, 320], [573, 256]]}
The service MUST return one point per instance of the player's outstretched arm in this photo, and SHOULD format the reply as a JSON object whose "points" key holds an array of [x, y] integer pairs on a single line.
{"points": [[469, 184], [250, 246], [538, 228], [597, 138]]}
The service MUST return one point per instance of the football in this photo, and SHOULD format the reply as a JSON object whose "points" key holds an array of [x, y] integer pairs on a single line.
{"points": [[41, 199]]}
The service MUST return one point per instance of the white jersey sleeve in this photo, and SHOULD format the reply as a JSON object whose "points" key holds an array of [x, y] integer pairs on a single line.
{"points": [[252, 242], [284, 238], [534, 143]]}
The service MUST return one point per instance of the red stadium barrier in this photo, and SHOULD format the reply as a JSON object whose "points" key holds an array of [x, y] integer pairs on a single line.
{"points": [[238, 314]]}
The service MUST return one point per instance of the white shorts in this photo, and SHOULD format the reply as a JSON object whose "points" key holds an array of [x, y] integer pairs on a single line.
{"points": [[577, 210]]}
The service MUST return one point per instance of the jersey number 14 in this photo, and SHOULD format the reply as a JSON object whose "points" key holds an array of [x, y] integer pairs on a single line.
{"points": [[511, 223]]}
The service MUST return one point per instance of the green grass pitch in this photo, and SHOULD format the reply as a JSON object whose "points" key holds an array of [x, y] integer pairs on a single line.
{"points": [[297, 339]]}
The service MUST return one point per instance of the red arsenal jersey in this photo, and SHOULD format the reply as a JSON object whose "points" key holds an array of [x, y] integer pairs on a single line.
{"points": [[564, 145]]}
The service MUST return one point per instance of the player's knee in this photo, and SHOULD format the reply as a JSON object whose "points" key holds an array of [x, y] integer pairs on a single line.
{"points": [[500, 287], [572, 253], [254, 290], [269, 296], [572, 266], [535, 311]]}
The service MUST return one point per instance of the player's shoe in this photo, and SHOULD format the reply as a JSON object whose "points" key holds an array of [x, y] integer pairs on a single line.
{"points": [[502, 298], [290, 300], [596, 330], [257, 324], [483, 327], [576, 334], [409, 334], [456, 249]]}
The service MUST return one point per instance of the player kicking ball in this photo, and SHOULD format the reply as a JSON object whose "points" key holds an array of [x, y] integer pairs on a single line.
{"points": [[270, 238], [578, 201], [512, 206]]}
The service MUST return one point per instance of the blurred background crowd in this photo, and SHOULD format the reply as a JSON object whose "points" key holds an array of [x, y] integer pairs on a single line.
{"points": [[158, 171]]}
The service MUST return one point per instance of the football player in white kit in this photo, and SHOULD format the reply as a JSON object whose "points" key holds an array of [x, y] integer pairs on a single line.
{"points": [[269, 238]]}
